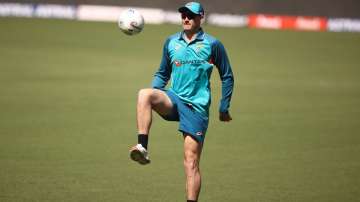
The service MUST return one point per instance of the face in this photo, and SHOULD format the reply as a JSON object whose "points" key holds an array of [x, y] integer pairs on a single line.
{"points": [[190, 21]]}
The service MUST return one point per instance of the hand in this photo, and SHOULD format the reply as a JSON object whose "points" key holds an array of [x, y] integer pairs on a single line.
{"points": [[225, 116]]}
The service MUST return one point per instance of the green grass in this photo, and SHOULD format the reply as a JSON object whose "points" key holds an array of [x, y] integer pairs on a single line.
{"points": [[67, 116]]}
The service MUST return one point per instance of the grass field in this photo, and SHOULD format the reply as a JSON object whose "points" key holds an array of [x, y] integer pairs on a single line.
{"points": [[67, 116]]}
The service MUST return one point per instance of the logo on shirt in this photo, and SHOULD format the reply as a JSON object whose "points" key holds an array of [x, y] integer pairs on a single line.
{"points": [[177, 63], [198, 47], [177, 47]]}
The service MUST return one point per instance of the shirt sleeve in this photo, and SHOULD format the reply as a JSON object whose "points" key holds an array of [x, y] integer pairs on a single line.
{"points": [[221, 61], [162, 76]]}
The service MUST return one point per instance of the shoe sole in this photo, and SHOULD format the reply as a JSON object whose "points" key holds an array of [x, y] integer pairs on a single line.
{"points": [[137, 156]]}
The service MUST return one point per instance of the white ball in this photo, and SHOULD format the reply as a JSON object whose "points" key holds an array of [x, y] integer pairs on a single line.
{"points": [[131, 21]]}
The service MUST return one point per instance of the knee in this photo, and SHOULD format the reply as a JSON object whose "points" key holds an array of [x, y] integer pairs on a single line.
{"points": [[145, 94]]}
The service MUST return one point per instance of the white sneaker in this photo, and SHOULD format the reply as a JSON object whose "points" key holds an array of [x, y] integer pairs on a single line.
{"points": [[140, 154]]}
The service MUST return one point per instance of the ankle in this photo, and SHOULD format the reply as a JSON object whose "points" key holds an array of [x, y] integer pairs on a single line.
{"points": [[143, 140]]}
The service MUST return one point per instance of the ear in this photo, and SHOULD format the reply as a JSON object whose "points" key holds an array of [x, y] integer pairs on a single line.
{"points": [[200, 17]]}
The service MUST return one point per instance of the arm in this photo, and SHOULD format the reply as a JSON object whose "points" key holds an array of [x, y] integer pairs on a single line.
{"points": [[221, 61], [162, 76]]}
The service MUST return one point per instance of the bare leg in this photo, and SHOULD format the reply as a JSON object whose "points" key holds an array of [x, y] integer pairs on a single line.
{"points": [[192, 152], [149, 99]]}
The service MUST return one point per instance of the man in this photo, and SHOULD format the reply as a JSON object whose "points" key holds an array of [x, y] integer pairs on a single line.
{"points": [[187, 61]]}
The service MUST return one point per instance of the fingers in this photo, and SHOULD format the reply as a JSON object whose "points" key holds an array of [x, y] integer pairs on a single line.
{"points": [[225, 117]]}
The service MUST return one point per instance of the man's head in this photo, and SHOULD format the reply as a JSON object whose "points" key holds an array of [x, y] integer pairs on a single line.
{"points": [[191, 15]]}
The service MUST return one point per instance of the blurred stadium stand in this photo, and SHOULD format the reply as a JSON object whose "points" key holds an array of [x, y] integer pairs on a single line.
{"points": [[326, 8]]}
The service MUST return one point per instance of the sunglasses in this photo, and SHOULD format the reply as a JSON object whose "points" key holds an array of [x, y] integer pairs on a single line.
{"points": [[188, 15]]}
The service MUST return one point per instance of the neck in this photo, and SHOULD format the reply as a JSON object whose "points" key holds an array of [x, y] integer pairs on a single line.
{"points": [[190, 33]]}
